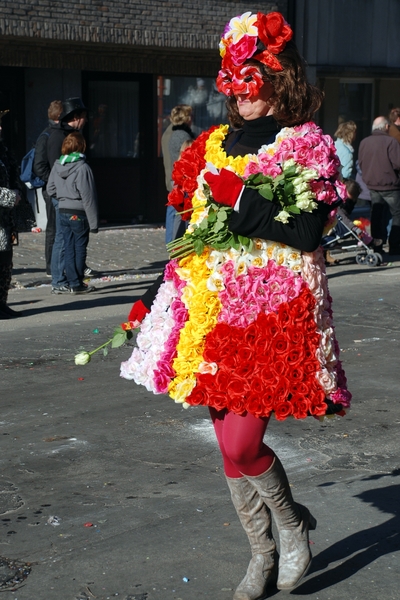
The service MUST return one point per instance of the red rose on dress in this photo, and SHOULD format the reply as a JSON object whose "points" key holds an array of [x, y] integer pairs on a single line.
{"points": [[283, 410], [296, 373], [256, 406], [280, 344], [236, 404], [245, 354], [198, 396], [218, 401], [236, 386], [300, 407], [282, 389], [294, 356], [222, 379], [257, 386]]}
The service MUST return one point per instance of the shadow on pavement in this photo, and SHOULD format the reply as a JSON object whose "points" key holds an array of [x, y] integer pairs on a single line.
{"points": [[361, 548]]}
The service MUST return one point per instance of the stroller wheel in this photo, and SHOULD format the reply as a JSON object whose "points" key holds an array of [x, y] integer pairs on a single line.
{"points": [[372, 259], [361, 259]]}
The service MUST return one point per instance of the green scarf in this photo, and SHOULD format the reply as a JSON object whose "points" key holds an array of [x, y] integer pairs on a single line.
{"points": [[70, 158]]}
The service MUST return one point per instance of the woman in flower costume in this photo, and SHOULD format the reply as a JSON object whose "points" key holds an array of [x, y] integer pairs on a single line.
{"points": [[241, 319]]}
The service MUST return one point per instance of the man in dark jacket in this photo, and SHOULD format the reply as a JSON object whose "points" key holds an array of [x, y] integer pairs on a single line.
{"points": [[42, 168], [379, 158]]}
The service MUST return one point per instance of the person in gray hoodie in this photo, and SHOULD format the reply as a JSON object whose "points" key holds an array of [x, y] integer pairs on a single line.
{"points": [[71, 182]]}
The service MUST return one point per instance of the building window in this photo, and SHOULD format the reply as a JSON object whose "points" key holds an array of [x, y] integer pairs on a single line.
{"points": [[113, 119], [199, 92], [355, 104]]}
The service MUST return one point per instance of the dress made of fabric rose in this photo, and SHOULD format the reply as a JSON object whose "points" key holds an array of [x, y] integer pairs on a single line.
{"points": [[249, 329]]}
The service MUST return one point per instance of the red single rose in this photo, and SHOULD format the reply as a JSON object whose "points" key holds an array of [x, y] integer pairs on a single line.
{"points": [[206, 380], [294, 355], [300, 407], [256, 406], [218, 401], [296, 373], [280, 344], [283, 410], [222, 379], [257, 386], [244, 370], [282, 389], [198, 396], [299, 388], [236, 404], [236, 386], [245, 354], [295, 335], [280, 366], [268, 375]]}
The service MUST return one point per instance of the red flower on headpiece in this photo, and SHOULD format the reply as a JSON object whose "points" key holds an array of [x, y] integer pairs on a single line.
{"points": [[269, 59], [273, 31]]}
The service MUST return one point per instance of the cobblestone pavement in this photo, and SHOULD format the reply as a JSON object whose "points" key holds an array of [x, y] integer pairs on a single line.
{"points": [[131, 251]]}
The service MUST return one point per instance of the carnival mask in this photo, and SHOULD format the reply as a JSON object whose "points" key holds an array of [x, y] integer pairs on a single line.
{"points": [[260, 37]]}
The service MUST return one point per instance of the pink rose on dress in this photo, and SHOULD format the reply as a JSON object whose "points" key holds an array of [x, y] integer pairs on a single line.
{"points": [[285, 150], [252, 168]]}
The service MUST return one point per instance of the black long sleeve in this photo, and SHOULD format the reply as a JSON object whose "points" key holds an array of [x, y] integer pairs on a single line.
{"points": [[41, 165], [255, 219]]}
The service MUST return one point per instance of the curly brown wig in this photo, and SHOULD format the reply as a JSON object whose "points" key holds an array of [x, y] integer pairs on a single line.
{"points": [[295, 99]]}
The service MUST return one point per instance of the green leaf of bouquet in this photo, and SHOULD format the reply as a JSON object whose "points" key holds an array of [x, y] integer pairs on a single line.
{"points": [[289, 188], [218, 226], [212, 216], [266, 192], [105, 351], [118, 339], [118, 330], [222, 215], [292, 208], [198, 246], [204, 224]]}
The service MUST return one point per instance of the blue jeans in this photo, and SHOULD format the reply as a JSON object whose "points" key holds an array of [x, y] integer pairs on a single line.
{"points": [[75, 231], [58, 277], [169, 224]]}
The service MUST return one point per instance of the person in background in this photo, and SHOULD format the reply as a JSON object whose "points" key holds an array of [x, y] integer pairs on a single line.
{"points": [[11, 190], [71, 182], [379, 158], [181, 120], [73, 118], [42, 168], [345, 137], [394, 124], [167, 162]]}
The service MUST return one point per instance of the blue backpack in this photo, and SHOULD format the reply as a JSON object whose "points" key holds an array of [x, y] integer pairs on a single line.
{"points": [[31, 180]]}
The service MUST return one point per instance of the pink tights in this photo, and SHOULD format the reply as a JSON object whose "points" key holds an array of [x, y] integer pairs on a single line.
{"points": [[240, 438]]}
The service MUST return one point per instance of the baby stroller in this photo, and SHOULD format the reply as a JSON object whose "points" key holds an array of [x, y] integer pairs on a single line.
{"points": [[347, 237]]}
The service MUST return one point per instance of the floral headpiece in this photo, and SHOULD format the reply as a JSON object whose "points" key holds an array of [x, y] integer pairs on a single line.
{"points": [[260, 37]]}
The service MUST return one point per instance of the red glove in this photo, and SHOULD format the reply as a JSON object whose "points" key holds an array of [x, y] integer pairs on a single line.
{"points": [[225, 187], [138, 313]]}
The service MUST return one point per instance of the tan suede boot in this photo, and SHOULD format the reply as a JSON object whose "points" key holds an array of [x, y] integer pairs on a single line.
{"points": [[256, 521], [293, 522]]}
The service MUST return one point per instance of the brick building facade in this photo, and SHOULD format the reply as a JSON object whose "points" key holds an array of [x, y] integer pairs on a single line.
{"points": [[130, 56]]}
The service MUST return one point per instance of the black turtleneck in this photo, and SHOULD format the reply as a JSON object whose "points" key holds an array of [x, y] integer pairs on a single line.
{"points": [[255, 217], [252, 136]]}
